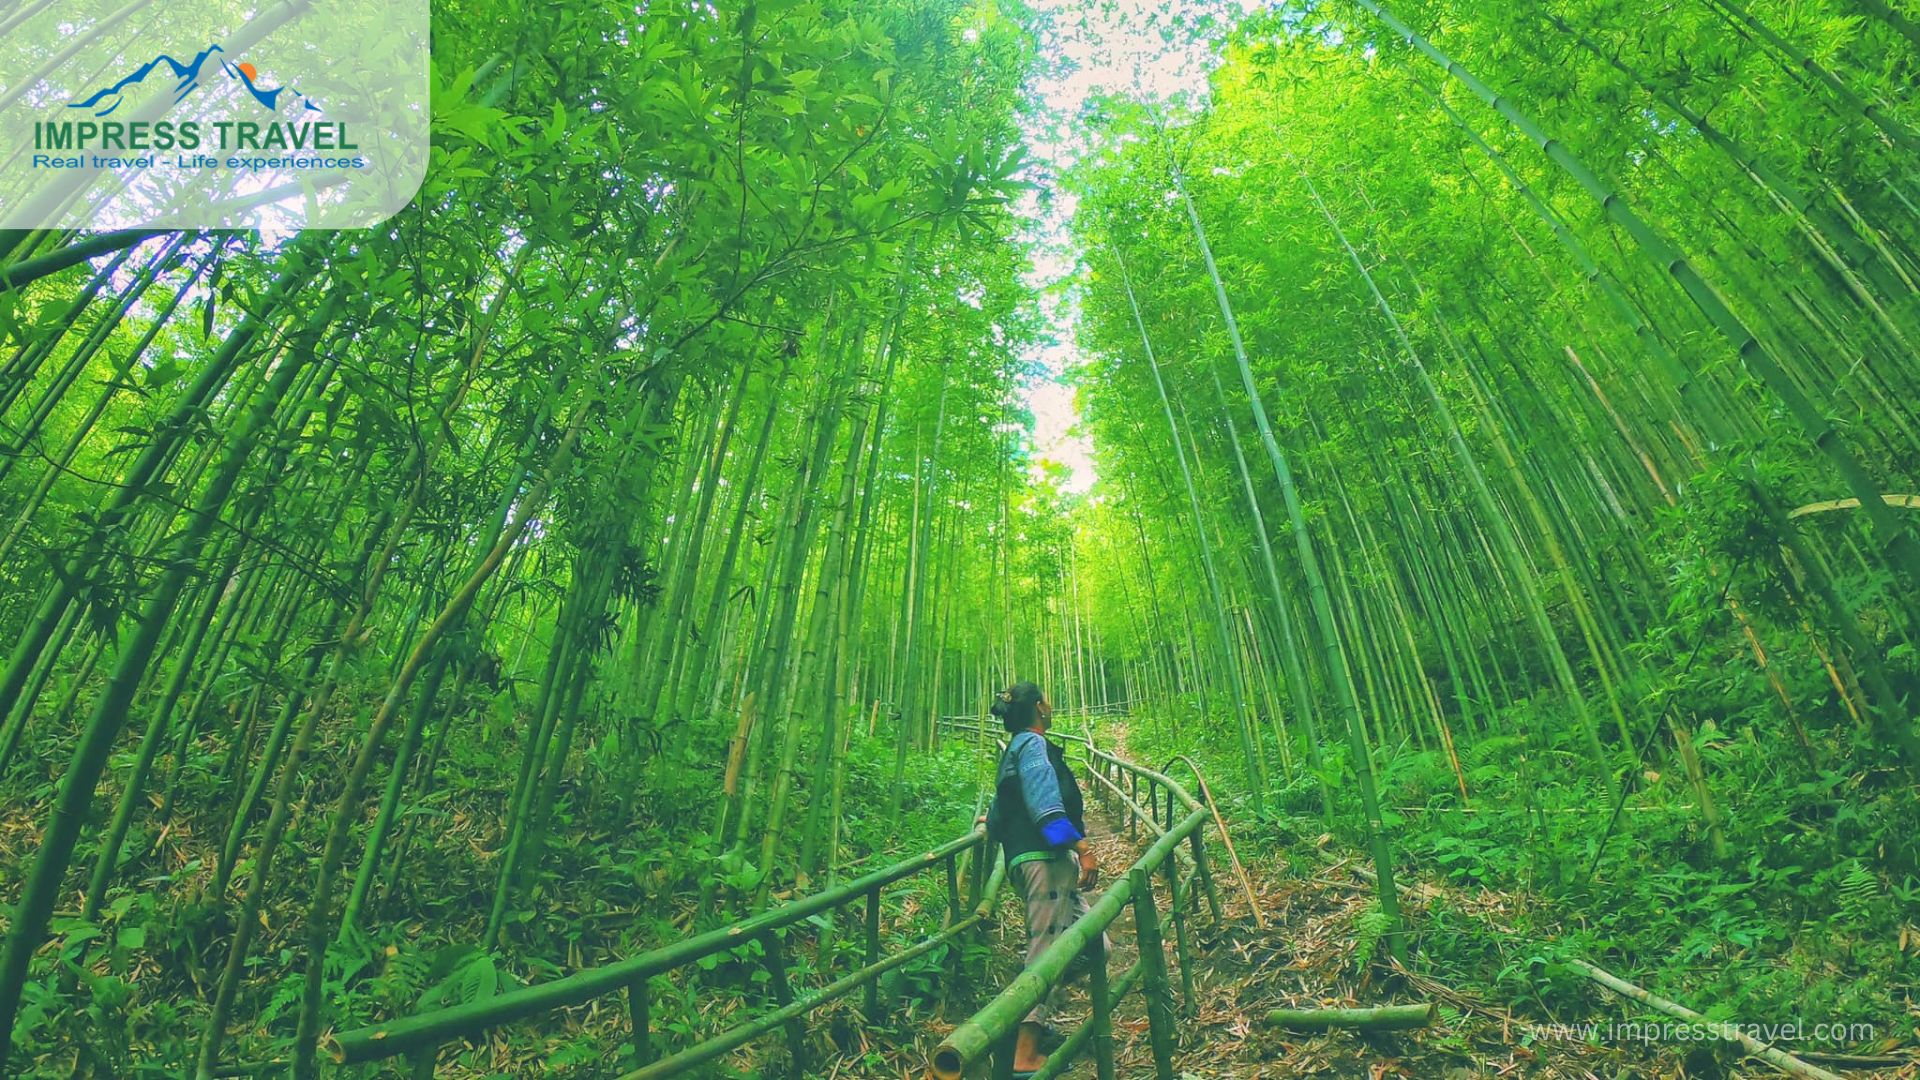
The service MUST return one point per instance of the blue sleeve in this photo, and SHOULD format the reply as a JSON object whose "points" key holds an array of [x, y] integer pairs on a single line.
{"points": [[1038, 784], [1059, 832]]}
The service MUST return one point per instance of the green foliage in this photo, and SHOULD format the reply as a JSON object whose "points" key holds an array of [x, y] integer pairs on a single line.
{"points": [[1631, 342], [459, 976], [1369, 928]]}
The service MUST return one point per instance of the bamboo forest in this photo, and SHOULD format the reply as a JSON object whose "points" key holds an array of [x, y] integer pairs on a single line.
{"points": [[1452, 469]]}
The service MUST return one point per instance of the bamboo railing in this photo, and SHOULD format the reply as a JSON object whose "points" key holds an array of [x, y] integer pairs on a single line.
{"points": [[421, 1036], [1138, 792]]}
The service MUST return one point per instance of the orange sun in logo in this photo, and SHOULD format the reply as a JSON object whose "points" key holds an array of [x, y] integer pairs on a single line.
{"points": [[252, 73]]}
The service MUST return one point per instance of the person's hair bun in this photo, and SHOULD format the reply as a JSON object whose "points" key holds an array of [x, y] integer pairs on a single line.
{"points": [[1016, 706]]}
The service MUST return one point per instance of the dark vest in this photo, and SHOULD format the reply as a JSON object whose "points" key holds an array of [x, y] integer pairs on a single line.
{"points": [[1014, 826]]}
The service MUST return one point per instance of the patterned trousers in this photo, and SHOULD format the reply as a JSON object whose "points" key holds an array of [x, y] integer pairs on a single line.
{"points": [[1051, 889]]}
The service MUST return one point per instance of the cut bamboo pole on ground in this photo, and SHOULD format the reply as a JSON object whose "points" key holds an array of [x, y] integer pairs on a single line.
{"points": [[1900, 502], [1779, 1059], [1375, 1018]]}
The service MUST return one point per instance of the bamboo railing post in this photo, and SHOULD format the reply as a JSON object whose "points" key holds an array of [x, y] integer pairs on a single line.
{"points": [[953, 892], [954, 915], [873, 953], [1146, 928], [783, 996], [1099, 991], [1133, 818], [977, 879], [1206, 875], [982, 905], [1174, 906], [424, 1062], [640, 1012]]}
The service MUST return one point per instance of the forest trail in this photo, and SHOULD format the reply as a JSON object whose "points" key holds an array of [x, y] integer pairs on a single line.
{"points": [[1314, 951]]}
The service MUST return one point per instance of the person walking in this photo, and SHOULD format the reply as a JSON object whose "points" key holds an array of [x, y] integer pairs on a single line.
{"points": [[1038, 818]]}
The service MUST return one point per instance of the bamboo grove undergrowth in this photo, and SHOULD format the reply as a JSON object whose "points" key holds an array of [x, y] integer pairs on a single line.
{"points": [[1579, 345]]}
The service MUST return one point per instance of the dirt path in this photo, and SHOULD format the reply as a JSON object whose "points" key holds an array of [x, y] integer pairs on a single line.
{"points": [[1305, 956], [1309, 954], [1314, 951]]}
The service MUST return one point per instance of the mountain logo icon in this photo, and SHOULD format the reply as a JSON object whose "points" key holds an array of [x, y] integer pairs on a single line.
{"points": [[186, 76], [249, 77]]}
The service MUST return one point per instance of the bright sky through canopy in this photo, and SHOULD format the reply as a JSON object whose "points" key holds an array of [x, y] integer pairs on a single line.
{"points": [[1131, 47]]}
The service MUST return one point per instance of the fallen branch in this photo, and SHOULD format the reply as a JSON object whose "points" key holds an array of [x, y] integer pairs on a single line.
{"points": [[1246, 883], [1380, 1018], [1779, 1059], [1856, 1061], [1464, 1002], [1419, 890], [1903, 502]]}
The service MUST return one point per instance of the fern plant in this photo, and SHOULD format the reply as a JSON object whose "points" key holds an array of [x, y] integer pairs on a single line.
{"points": [[1857, 893], [470, 976], [1369, 927]]}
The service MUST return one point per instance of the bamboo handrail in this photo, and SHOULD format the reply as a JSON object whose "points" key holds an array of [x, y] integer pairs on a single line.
{"points": [[992, 1027], [1179, 793], [423, 1034], [1062, 1057], [713, 1047], [971, 1041], [1132, 805], [426, 1032]]}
